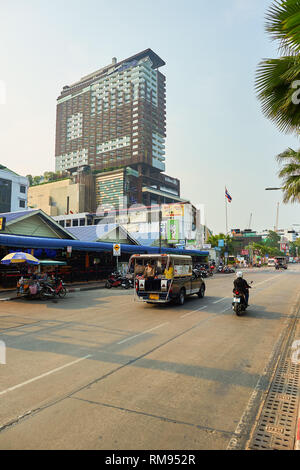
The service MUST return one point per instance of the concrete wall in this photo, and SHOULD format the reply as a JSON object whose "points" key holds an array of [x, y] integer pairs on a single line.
{"points": [[52, 197]]}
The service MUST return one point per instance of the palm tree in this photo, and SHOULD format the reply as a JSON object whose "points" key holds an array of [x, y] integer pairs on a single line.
{"points": [[277, 80], [283, 24], [290, 173]]}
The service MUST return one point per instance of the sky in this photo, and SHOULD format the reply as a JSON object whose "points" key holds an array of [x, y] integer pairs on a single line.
{"points": [[217, 135]]}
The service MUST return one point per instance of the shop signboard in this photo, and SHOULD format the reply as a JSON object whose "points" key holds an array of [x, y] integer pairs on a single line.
{"points": [[172, 210], [2, 223]]}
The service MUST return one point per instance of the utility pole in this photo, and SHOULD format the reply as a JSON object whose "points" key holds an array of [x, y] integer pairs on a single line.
{"points": [[277, 218], [160, 220]]}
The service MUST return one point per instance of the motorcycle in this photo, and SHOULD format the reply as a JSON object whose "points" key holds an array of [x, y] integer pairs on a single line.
{"points": [[239, 304], [114, 280], [127, 283], [204, 272], [49, 290]]}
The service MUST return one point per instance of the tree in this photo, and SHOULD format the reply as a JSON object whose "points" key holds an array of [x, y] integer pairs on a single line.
{"points": [[278, 79], [213, 240], [36, 180], [272, 240], [290, 174], [30, 179]]}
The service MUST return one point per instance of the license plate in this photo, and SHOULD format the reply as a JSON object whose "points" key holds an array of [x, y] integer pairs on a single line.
{"points": [[236, 300], [154, 297]]}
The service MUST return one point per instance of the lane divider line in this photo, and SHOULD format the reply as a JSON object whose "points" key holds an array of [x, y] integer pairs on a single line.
{"points": [[221, 300], [143, 333], [11, 389], [194, 311]]}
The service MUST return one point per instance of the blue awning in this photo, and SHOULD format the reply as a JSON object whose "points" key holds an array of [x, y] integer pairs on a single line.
{"points": [[54, 243]]}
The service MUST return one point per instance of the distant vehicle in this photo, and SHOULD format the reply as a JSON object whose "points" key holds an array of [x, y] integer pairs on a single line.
{"points": [[163, 278], [281, 262], [271, 262]]}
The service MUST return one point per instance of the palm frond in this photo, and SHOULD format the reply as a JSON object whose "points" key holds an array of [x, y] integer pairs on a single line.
{"points": [[290, 169], [275, 87], [283, 24], [291, 189], [290, 155]]}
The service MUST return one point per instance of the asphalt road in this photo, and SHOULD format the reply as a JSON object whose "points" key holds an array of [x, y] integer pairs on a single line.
{"points": [[97, 370]]}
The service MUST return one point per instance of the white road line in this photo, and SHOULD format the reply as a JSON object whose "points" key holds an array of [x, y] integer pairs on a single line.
{"points": [[11, 389], [221, 300], [228, 308], [143, 333], [194, 311], [266, 280]]}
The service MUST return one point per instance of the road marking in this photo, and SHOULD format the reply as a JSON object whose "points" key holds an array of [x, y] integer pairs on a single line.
{"points": [[11, 389], [217, 301], [266, 280], [143, 333], [194, 311], [228, 308]]}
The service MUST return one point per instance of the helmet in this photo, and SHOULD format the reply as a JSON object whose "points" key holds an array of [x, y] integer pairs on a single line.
{"points": [[239, 274]]}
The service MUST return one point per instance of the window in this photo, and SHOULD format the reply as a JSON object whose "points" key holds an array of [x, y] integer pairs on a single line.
{"points": [[82, 222], [22, 189], [75, 223], [62, 223], [68, 223], [22, 203]]}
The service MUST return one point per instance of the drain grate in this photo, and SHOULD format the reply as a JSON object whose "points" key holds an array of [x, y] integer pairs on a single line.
{"points": [[277, 422]]}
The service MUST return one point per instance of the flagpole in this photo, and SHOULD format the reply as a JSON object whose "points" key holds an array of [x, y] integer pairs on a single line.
{"points": [[226, 212]]}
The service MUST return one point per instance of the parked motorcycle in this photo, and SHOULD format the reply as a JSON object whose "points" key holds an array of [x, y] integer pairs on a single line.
{"points": [[53, 290], [114, 280], [127, 283]]}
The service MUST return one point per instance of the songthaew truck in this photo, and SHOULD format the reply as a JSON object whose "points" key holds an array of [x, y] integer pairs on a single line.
{"points": [[163, 278]]}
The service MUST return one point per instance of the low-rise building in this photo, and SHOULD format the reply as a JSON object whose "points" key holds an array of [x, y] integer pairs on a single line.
{"points": [[74, 194], [13, 191]]}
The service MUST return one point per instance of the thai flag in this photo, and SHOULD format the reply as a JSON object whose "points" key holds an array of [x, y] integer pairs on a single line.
{"points": [[229, 198]]}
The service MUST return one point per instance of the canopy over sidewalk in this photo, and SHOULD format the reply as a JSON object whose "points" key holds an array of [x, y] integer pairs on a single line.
{"points": [[52, 243]]}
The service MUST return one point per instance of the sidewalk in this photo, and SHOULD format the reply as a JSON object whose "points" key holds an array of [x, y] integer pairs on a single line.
{"points": [[10, 294]]}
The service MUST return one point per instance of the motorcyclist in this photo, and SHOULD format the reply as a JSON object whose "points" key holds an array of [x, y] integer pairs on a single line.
{"points": [[242, 286]]}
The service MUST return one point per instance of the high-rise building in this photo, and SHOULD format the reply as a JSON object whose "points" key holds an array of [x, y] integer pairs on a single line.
{"points": [[114, 118]]}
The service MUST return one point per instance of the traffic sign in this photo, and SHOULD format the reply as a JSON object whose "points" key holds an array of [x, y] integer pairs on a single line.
{"points": [[117, 249]]}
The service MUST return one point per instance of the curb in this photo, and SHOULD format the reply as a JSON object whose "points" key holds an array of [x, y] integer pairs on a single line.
{"points": [[71, 289], [78, 289]]}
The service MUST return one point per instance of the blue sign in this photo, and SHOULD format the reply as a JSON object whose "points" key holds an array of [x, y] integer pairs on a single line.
{"points": [[221, 243]]}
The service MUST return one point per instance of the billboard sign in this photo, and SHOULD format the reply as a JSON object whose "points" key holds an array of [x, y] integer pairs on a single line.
{"points": [[172, 210], [173, 231]]}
